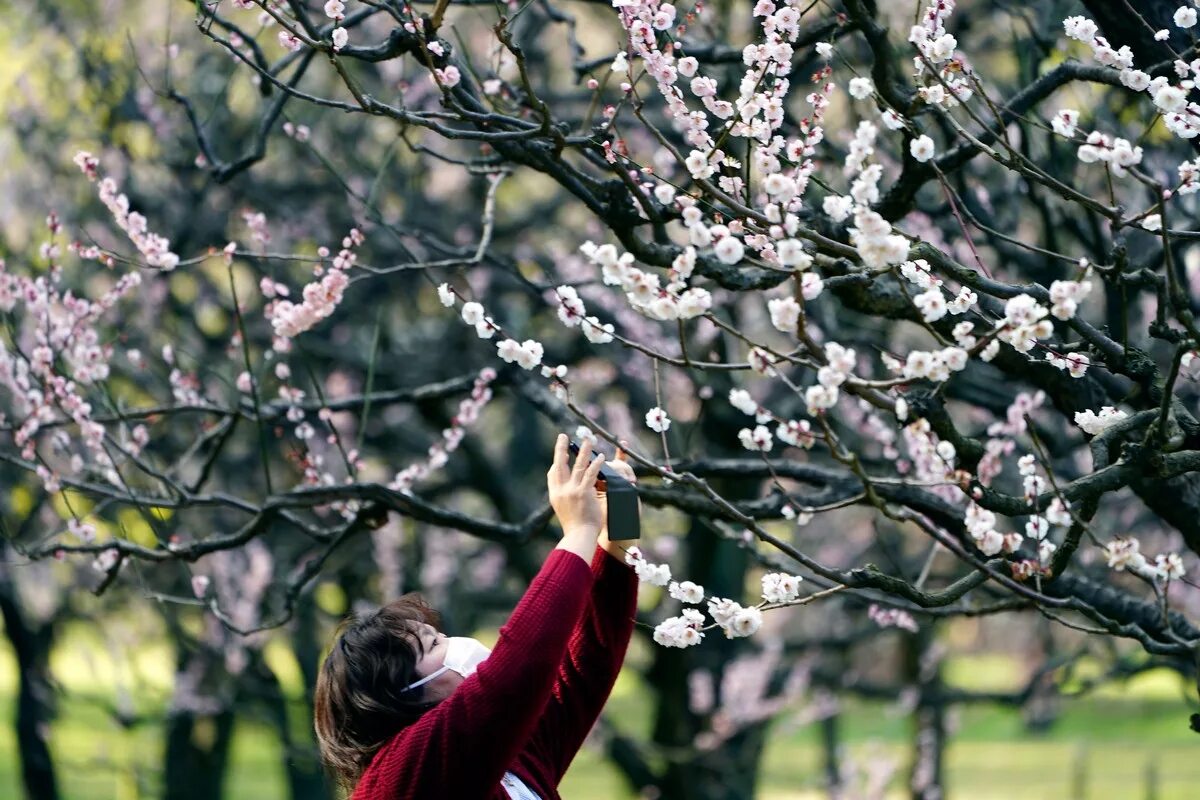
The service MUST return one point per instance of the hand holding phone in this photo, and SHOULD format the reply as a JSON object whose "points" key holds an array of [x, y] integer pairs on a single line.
{"points": [[624, 521]]}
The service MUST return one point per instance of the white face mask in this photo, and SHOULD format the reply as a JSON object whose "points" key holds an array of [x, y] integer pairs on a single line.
{"points": [[463, 655]]}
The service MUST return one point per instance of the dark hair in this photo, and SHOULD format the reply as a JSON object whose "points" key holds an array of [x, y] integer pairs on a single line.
{"points": [[359, 703]]}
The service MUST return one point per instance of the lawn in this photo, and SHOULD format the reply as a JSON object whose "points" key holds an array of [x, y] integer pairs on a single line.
{"points": [[1113, 744]]}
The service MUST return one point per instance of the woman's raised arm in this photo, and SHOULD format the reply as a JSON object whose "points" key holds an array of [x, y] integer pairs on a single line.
{"points": [[463, 746]]}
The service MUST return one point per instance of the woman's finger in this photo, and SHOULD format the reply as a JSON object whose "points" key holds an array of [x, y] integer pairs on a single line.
{"points": [[559, 468], [625, 470], [589, 476], [582, 459]]}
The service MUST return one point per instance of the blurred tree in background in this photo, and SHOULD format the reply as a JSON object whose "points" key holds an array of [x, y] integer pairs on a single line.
{"points": [[295, 333]]}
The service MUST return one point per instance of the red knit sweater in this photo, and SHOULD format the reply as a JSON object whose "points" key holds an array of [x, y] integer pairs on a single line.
{"points": [[531, 703]]}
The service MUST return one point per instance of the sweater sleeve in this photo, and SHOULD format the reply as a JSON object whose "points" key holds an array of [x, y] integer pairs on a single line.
{"points": [[462, 747], [589, 670]]}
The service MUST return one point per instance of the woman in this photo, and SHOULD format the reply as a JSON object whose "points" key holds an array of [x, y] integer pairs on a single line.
{"points": [[402, 711]]}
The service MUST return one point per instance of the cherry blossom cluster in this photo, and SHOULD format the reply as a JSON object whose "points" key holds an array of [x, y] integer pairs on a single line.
{"points": [[336, 11], [891, 618], [290, 36], [735, 620], [872, 236], [527, 354], [1024, 323], [1097, 423], [756, 114], [1002, 435], [797, 433], [439, 452], [932, 365], [948, 86], [154, 248], [642, 288], [60, 353], [1117, 153], [1170, 97], [1124, 554], [931, 302], [981, 525], [320, 297], [572, 313], [931, 460]]}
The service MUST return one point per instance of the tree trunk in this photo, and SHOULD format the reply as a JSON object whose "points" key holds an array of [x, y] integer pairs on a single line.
{"points": [[731, 771], [35, 696], [197, 754], [301, 764], [923, 667], [308, 654], [197, 751], [831, 750]]}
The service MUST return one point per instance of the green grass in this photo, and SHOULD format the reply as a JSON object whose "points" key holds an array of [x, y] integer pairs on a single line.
{"points": [[1112, 738]]}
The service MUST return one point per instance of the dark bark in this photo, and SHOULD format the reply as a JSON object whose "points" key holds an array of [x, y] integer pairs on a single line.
{"points": [[301, 761], [197, 747], [31, 643], [831, 745], [923, 670], [197, 754], [731, 771]]}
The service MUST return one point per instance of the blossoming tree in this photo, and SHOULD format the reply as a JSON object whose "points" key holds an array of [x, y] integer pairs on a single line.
{"points": [[858, 285]]}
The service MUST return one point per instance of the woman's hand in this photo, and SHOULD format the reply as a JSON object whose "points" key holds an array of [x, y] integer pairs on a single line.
{"points": [[621, 466], [574, 498]]}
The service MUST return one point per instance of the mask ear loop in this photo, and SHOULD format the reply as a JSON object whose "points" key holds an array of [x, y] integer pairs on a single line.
{"points": [[426, 679]]}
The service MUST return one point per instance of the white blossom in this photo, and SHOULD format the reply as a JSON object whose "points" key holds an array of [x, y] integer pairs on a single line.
{"points": [[657, 420], [932, 304], [1170, 566], [1170, 98], [1065, 121], [811, 286], [779, 587], [1135, 79], [729, 250], [797, 433], [1124, 554], [472, 313], [686, 592], [921, 148], [1057, 513], [527, 354], [1080, 28], [837, 207], [860, 88], [742, 401], [785, 313], [745, 622], [654, 574], [758, 439], [681, 631], [1094, 423]]}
